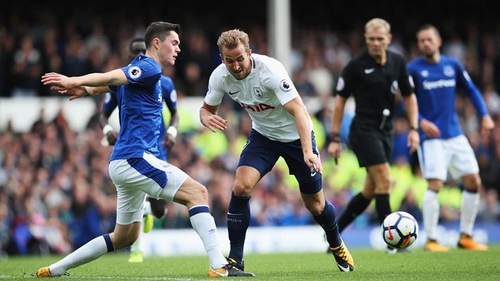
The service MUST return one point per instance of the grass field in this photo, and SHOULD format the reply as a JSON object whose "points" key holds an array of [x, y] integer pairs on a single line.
{"points": [[369, 265]]}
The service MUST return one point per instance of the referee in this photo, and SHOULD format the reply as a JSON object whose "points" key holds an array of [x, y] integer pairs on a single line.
{"points": [[373, 79]]}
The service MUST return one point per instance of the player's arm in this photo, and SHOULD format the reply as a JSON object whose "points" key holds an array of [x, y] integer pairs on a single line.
{"points": [[171, 134], [337, 115], [90, 84], [210, 119], [303, 122], [477, 100], [411, 106]]}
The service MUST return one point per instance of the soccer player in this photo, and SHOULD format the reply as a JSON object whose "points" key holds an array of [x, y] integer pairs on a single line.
{"points": [[134, 165], [152, 207], [281, 126], [373, 79], [444, 147]]}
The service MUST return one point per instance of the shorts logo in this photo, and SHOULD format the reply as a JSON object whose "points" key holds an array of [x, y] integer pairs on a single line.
{"points": [[134, 72]]}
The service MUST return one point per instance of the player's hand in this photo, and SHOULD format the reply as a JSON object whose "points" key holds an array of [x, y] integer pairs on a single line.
{"points": [[314, 163], [430, 129], [112, 137], [168, 141], [334, 149], [487, 125], [413, 140], [214, 122]]}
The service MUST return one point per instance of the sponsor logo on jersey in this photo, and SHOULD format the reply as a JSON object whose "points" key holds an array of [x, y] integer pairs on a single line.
{"points": [[257, 107], [441, 83]]}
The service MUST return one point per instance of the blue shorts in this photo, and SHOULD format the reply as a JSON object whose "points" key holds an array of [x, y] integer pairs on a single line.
{"points": [[262, 153]]}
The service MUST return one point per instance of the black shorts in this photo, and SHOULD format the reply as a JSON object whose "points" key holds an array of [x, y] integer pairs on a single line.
{"points": [[371, 145], [262, 154]]}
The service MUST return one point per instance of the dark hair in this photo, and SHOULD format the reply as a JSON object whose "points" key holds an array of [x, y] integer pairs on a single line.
{"points": [[431, 27], [160, 29], [136, 46]]}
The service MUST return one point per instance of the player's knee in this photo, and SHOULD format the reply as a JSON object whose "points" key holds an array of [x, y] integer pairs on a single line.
{"points": [[472, 182], [241, 189]]}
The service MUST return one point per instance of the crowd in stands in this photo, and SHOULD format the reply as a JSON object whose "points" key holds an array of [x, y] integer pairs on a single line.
{"points": [[55, 192]]}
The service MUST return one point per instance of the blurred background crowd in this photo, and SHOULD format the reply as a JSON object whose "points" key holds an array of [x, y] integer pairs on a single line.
{"points": [[55, 192]]}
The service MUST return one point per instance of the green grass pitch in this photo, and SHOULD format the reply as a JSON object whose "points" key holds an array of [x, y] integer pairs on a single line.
{"points": [[370, 264]]}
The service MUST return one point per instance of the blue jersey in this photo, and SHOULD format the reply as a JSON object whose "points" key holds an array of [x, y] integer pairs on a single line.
{"points": [[140, 106], [435, 89], [169, 96]]}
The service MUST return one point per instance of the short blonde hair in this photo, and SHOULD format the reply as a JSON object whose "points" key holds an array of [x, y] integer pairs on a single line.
{"points": [[377, 22], [231, 38]]}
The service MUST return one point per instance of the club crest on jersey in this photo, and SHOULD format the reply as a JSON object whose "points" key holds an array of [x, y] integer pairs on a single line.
{"points": [[258, 92], [448, 71], [134, 72], [285, 85]]}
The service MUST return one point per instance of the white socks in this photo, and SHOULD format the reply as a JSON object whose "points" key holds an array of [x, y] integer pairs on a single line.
{"points": [[430, 213], [470, 204], [204, 224]]}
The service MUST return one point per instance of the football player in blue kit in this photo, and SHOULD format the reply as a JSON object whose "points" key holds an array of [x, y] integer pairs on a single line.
{"points": [[444, 148], [134, 165], [152, 207]]}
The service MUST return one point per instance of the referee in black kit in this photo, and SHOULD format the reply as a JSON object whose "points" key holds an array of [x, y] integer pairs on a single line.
{"points": [[373, 78]]}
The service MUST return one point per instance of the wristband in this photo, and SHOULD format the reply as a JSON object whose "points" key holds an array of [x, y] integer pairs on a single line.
{"points": [[414, 128], [107, 129], [172, 131]]}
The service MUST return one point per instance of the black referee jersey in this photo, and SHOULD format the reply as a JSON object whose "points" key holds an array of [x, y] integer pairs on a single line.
{"points": [[374, 86]]}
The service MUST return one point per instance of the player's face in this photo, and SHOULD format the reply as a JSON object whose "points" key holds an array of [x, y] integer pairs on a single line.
{"points": [[137, 48], [377, 40], [428, 42], [169, 49], [238, 61]]}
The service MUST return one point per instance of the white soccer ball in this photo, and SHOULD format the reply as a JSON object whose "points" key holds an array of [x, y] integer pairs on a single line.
{"points": [[399, 229]]}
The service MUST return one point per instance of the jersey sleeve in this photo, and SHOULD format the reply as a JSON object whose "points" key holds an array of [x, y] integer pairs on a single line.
{"points": [[345, 80], [473, 92], [215, 92], [109, 104], [404, 81], [279, 82], [142, 72], [169, 93]]}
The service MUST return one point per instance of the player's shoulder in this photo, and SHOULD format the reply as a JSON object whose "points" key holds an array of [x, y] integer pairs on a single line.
{"points": [[263, 61], [445, 59], [166, 79]]}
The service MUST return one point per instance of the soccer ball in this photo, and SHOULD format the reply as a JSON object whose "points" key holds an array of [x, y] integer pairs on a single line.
{"points": [[399, 229]]}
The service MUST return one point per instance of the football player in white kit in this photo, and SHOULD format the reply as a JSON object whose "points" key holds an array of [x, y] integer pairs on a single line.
{"points": [[134, 165], [281, 126]]}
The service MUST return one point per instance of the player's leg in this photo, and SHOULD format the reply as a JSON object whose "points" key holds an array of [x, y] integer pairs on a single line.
{"points": [[157, 207], [256, 160], [184, 190], [146, 226], [433, 160], [311, 190], [129, 215], [357, 205], [464, 165]]}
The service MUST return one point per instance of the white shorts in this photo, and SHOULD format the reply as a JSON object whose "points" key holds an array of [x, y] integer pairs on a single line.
{"points": [[137, 177], [437, 157]]}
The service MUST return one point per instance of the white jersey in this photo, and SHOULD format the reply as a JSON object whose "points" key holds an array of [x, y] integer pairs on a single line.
{"points": [[262, 94]]}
